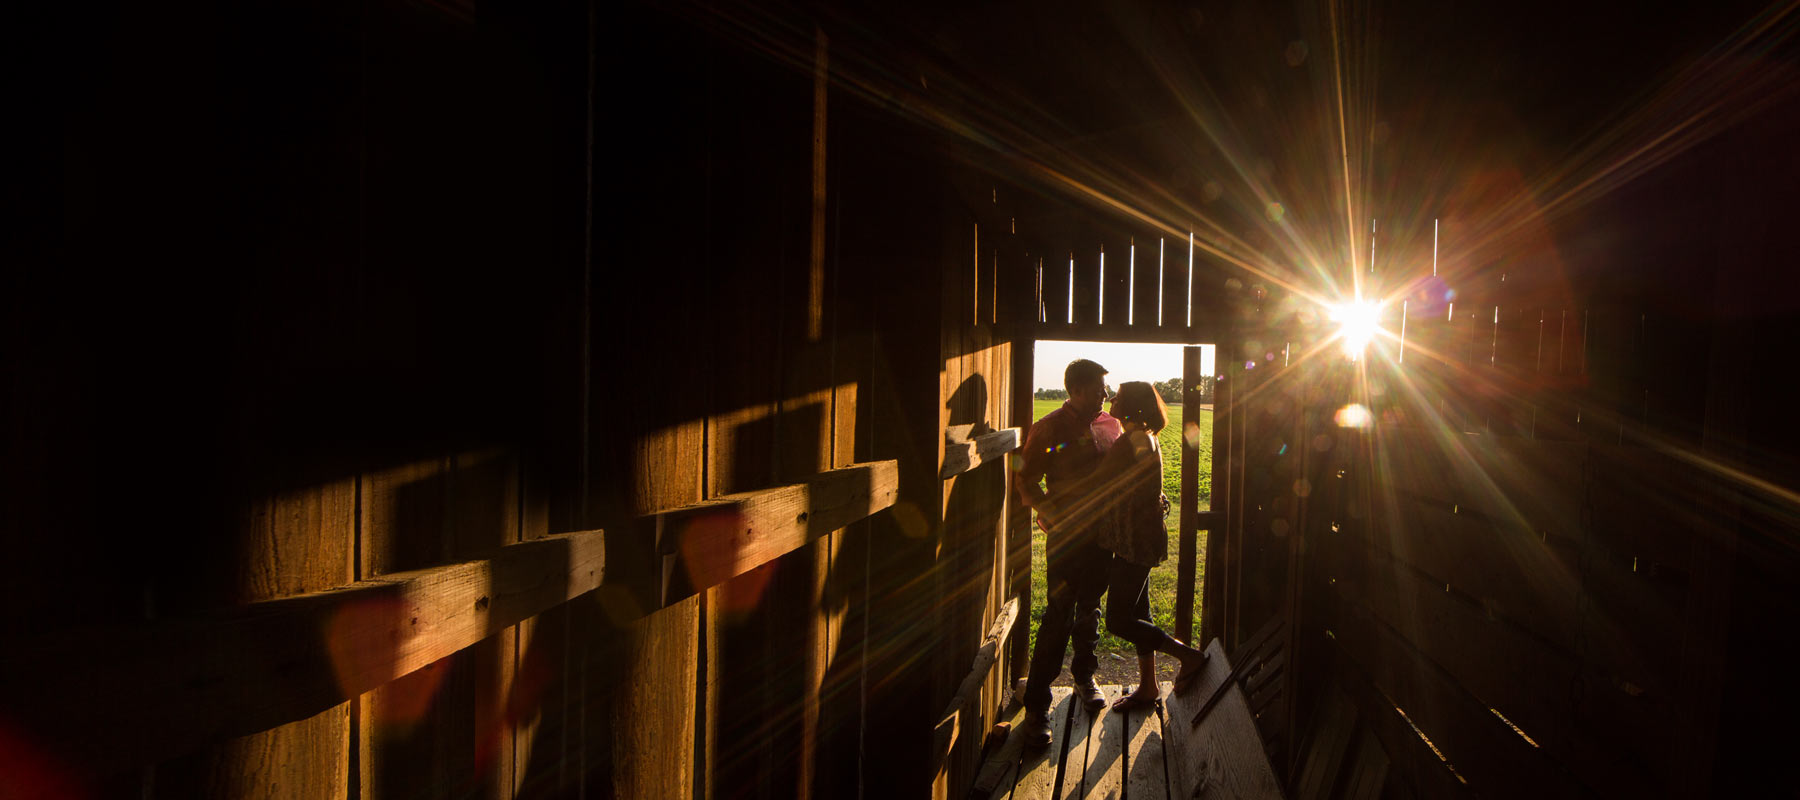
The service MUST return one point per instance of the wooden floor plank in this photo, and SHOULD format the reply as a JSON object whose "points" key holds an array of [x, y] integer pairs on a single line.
{"points": [[1146, 767], [1037, 768], [1223, 757], [1001, 768], [1098, 773]]}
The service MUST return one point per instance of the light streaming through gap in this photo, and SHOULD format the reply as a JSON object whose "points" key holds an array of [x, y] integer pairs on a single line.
{"points": [[1516, 729], [1162, 246], [1131, 284], [1190, 294], [1042, 315], [1428, 743]]}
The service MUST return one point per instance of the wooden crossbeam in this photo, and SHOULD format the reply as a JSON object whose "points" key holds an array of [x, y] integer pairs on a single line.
{"points": [[708, 543], [950, 721], [960, 457], [110, 699]]}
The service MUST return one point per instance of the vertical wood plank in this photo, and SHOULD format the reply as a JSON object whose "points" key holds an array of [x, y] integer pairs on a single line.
{"points": [[299, 540], [1187, 553], [443, 726]]}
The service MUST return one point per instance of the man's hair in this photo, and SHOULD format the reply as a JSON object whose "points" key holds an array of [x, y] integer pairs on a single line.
{"points": [[1138, 402], [1081, 372]]}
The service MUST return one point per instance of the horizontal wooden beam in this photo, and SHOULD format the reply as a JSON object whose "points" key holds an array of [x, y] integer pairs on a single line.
{"points": [[950, 722], [708, 543], [1201, 333], [111, 699], [960, 457]]}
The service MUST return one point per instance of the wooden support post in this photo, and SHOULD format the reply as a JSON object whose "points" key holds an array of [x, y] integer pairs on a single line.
{"points": [[1018, 524], [1187, 533], [1218, 589]]}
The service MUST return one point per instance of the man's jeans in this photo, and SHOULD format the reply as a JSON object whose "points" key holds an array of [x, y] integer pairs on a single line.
{"points": [[1077, 579]]}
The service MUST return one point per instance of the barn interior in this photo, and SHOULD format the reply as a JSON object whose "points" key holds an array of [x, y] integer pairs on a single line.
{"points": [[443, 398]]}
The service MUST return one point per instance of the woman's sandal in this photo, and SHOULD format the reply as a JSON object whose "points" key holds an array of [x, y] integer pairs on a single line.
{"points": [[1136, 701]]}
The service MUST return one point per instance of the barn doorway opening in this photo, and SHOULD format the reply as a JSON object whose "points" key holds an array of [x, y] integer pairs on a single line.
{"points": [[1183, 376]]}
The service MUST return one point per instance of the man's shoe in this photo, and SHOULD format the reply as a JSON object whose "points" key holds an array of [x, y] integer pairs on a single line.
{"points": [[1034, 730], [1091, 697]]}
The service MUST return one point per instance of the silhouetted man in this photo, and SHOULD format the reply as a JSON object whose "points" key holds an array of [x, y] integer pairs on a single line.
{"points": [[1064, 448]]}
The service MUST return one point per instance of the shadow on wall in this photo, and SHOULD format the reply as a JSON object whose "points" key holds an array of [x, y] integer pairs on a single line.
{"points": [[973, 546]]}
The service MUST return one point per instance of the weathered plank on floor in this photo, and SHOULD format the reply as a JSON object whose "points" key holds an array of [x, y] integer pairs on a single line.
{"points": [[1223, 757], [1037, 769], [1095, 754], [1145, 763], [1103, 756], [1002, 766]]}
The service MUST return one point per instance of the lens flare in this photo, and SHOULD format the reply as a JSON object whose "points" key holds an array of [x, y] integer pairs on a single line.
{"points": [[1355, 415], [1357, 322]]}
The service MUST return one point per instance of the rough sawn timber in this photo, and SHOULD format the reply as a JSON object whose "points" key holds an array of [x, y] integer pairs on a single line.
{"points": [[960, 457], [197, 680], [706, 544], [1223, 757], [950, 722]]}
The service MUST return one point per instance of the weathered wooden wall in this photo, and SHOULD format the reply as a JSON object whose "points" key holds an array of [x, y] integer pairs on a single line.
{"points": [[382, 288], [1539, 556], [273, 297]]}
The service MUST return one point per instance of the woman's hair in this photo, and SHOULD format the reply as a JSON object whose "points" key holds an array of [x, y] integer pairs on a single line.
{"points": [[1137, 401]]}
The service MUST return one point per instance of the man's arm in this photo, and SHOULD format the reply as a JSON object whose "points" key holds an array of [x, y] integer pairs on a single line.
{"points": [[1035, 462]]}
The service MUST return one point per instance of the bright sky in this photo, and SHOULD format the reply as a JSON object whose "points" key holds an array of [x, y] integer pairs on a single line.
{"points": [[1123, 362]]}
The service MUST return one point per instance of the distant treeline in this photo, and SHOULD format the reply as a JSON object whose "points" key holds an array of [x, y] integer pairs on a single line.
{"points": [[1169, 389]]}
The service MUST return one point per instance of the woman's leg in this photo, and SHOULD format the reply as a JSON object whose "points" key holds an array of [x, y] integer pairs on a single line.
{"points": [[1127, 605], [1128, 617]]}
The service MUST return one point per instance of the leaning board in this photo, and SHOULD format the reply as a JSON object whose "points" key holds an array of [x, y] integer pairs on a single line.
{"points": [[1223, 757]]}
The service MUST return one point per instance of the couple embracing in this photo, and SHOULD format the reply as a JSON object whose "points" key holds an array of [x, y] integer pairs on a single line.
{"points": [[1102, 514]]}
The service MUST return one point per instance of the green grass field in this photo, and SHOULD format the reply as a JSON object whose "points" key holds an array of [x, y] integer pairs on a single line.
{"points": [[1123, 668]]}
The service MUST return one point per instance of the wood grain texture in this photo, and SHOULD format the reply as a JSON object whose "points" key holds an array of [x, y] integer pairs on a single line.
{"points": [[1223, 757], [251, 669], [1094, 754], [652, 730], [1038, 767], [708, 543], [1001, 768], [1146, 763], [641, 676], [960, 457], [298, 541], [951, 723]]}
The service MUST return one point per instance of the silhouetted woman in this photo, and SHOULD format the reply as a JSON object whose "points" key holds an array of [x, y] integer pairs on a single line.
{"points": [[1138, 541]]}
